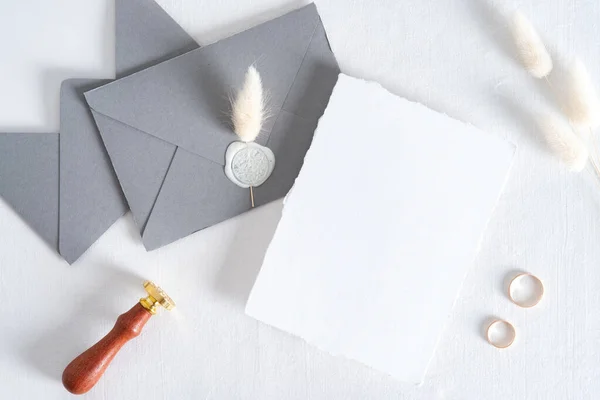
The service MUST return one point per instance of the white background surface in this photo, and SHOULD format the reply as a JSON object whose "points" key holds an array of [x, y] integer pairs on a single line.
{"points": [[453, 56]]}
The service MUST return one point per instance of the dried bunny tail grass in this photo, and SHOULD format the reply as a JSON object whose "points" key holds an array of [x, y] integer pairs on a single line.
{"points": [[248, 107], [564, 142], [531, 49], [582, 104]]}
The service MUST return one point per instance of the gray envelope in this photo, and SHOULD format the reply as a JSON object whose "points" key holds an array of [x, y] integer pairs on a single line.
{"points": [[166, 128], [63, 184]]}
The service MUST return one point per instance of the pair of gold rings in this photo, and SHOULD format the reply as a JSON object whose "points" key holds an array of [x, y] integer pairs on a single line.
{"points": [[525, 290]]}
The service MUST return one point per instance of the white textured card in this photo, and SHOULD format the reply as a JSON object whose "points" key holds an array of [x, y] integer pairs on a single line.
{"points": [[382, 225]]}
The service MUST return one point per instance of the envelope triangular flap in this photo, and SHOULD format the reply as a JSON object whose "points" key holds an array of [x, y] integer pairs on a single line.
{"points": [[90, 197], [196, 194], [29, 180], [316, 79], [184, 101], [144, 35], [141, 162]]}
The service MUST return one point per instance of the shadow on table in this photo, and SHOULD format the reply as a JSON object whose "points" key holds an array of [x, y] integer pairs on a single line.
{"points": [[246, 252], [54, 349]]}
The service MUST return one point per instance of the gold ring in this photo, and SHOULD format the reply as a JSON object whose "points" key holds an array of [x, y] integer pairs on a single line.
{"points": [[509, 338], [537, 291]]}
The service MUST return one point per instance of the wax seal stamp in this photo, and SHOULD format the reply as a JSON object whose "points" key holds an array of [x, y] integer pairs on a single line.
{"points": [[85, 370], [248, 164]]}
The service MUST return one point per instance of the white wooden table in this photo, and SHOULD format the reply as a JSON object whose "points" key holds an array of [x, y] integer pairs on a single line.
{"points": [[455, 56]]}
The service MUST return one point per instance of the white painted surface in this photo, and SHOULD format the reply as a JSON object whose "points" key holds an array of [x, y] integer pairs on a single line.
{"points": [[452, 56]]}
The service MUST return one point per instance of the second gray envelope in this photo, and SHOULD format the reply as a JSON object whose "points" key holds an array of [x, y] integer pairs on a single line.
{"points": [[166, 128], [63, 185]]}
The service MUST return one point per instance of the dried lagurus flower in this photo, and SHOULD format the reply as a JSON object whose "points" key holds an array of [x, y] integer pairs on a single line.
{"points": [[563, 142], [581, 104], [531, 49]]}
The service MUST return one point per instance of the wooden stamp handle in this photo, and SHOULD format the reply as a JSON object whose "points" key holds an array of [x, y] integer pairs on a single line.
{"points": [[85, 370]]}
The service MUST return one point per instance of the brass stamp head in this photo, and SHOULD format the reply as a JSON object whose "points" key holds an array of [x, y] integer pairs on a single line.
{"points": [[156, 296]]}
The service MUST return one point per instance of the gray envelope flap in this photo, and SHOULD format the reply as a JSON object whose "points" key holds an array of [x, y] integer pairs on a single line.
{"points": [[29, 180], [184, 101], [145, 35], [195, 194], [141, 162], [90, 197], [316, 78]]}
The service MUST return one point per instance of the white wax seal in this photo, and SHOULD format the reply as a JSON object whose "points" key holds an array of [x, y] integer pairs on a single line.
{"points": [[248, 164]]}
